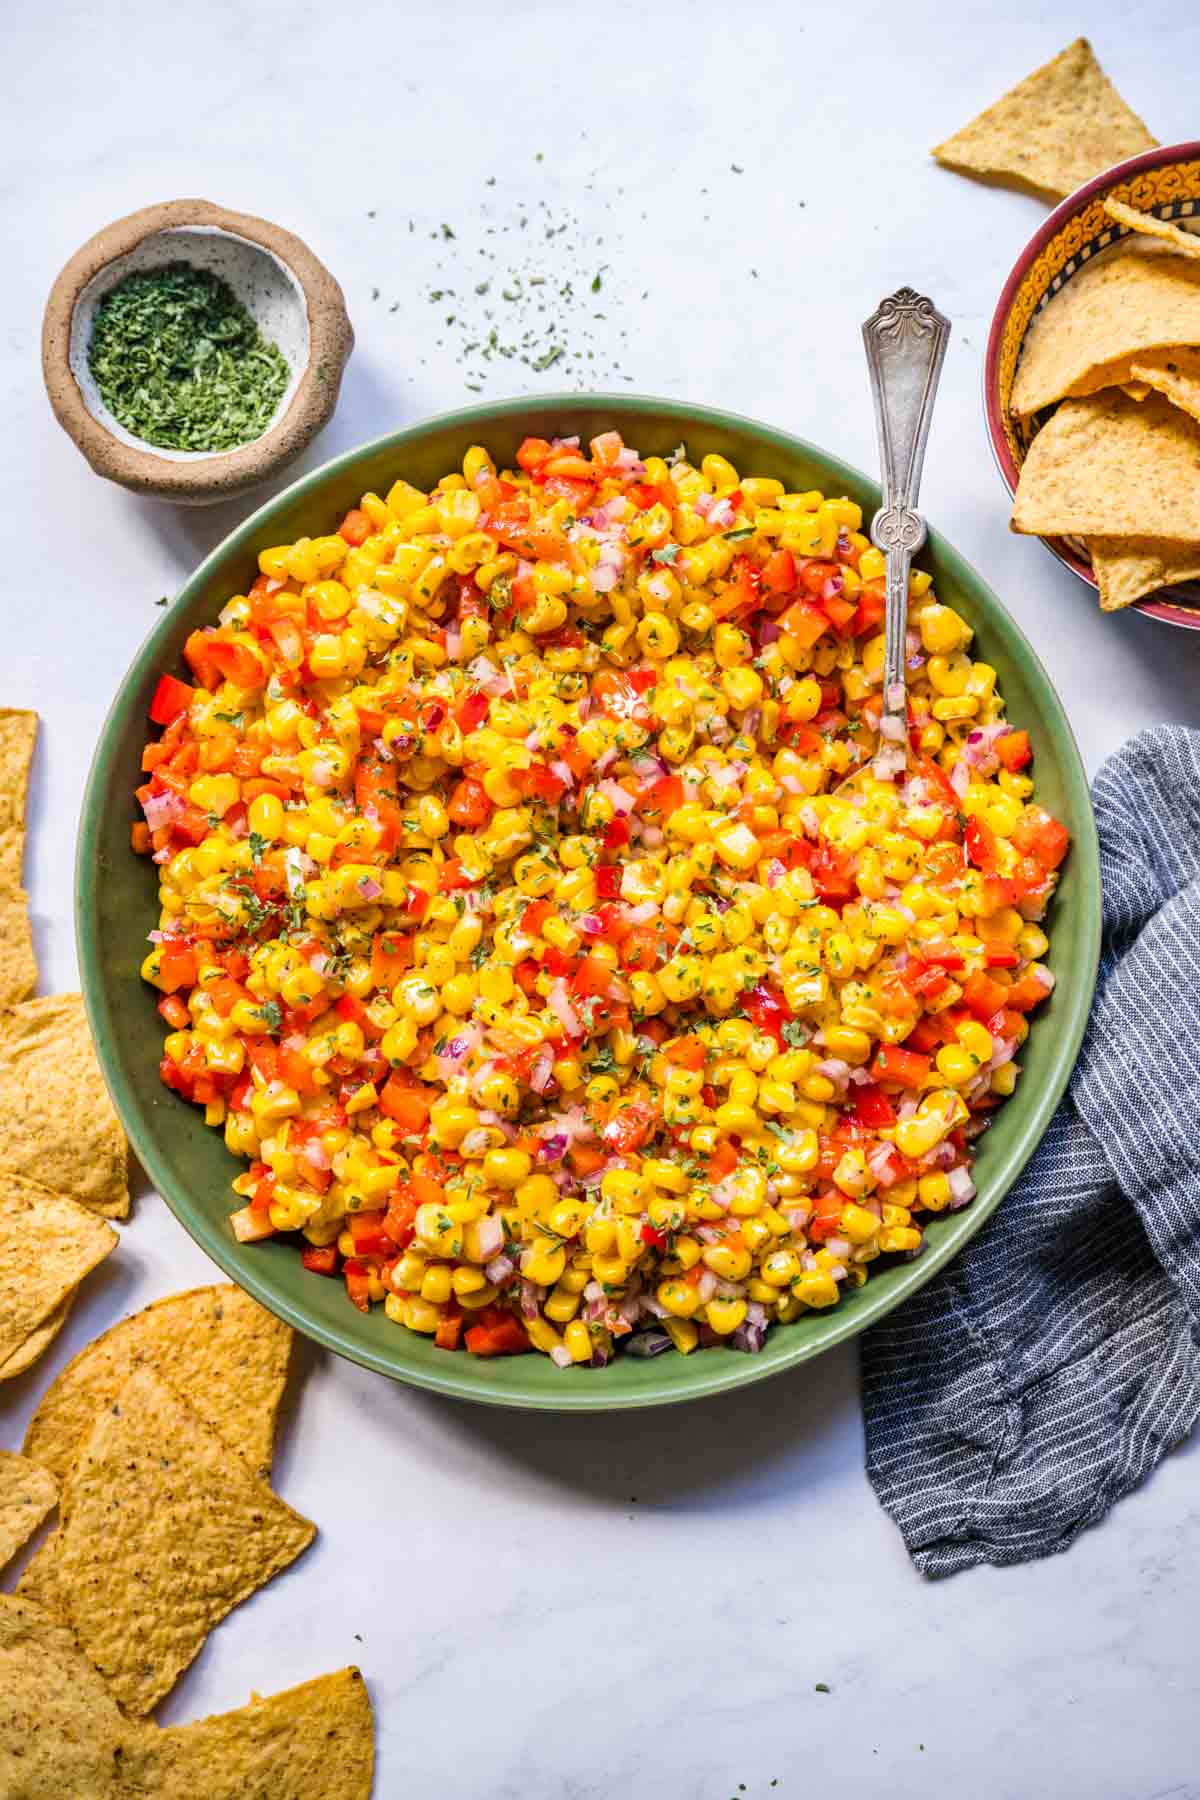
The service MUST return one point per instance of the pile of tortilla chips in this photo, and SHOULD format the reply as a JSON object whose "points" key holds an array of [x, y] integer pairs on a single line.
{"points": [[62, 1733], [1116, 464], [157, 1442], [62, 1151], [1116, 352]]}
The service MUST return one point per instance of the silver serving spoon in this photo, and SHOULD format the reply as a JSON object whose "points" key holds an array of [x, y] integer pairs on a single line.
{"points": [[905, 340]]}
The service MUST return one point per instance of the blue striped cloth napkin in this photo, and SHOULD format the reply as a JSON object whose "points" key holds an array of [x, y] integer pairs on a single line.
{"points": [[1047, 1370]]}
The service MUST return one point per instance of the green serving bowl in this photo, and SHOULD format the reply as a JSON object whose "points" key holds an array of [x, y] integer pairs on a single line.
{"points": [[116, 907]]}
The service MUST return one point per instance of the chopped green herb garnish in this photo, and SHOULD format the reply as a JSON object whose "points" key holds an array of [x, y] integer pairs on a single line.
{"points": [[181, 363]]}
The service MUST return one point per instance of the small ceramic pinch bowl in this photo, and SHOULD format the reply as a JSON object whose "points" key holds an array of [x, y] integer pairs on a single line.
{"points": [[1164, 181], [291, 296]]}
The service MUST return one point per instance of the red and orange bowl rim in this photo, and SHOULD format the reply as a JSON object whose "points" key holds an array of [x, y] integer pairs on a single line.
{"points": [[1188, 617]]}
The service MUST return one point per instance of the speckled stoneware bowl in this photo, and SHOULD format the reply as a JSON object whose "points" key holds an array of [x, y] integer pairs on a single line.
{"points": [[292, 297], [116, 905], [1165, 181]]}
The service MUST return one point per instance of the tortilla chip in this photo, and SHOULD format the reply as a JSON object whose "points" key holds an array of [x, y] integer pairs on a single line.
{"points": [[1174, 373], [57, 1124], [1108, 466], [18, 730], [37, 1582], [38, 1341], [1128, 569], [1121, 305], [61, 1733], [226, 1354], [18, 966], [47, 1245], [28, 1493], [163, 1531], [1053, 131], [313, 1742], [1152, 226]]}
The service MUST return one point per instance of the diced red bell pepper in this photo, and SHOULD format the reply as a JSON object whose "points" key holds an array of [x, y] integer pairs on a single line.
{"points": [[629, 1127], [980, 841], [982, 996], [171, 698], [767, 1010], [779, 572], [358, 1283], [176, 968], [405, 1106], [532, 453], [1025, 994], [538, 783], [470, 713], [1014, 750], [900, 1067], [449, 1331], [320, 1261], [507, 1337], [469, 804], [1038, 834], [833, 876], [870, 1107]]}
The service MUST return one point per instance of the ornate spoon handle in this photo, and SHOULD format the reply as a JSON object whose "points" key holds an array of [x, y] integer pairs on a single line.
{"points": [[905, 340]]}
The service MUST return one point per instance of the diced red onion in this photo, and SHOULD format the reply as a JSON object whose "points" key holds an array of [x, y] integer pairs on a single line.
{"points": [[889, 762], [750, 1335], [562, 1009], [162, 809], [529, 1299], [962, 1188], [835, 1070], [490, 1233], [499, 1270], [622, 800], [458, 1048], [880, 1163]]}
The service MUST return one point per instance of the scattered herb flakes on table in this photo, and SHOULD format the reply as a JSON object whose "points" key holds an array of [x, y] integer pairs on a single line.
{"points": [[528, 286], [181, 364]]}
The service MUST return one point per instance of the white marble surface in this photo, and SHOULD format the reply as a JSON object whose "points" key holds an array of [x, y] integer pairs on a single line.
{"points": [[630, 1606]]}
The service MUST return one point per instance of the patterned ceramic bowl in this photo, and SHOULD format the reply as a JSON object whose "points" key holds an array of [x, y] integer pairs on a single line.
{"points": [[1165, 181]]}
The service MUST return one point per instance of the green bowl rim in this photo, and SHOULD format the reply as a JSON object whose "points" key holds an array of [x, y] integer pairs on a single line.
{"points": [[729, 1370]]}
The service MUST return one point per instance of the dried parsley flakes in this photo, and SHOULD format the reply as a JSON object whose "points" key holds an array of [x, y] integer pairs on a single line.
{"points": [[181, 364]]}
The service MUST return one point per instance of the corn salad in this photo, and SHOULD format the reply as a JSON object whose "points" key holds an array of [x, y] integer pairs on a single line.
{"points": [[516, 933]]}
